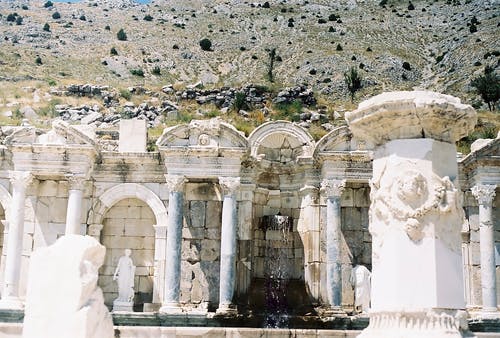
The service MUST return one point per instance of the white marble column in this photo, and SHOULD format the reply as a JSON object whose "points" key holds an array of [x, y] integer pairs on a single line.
{"points": [[175, 185], [227, 274], [74, 209], [20, 181], [484, 194], [333, 189]]}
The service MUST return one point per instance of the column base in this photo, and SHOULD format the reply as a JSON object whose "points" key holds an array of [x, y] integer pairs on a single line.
{"points": [[435, 323], [171, 308], [331, 311], [11, 303], [489, 313], [119, 306], [227, 309]]}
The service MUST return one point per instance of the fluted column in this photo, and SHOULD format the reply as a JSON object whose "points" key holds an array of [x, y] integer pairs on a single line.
{"points": [[10, 295], [333, 189], [175, 185], [227, 274], [74, 209], [484, 194]]}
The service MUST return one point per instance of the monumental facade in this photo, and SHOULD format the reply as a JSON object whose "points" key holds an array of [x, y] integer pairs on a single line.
{"points": [[191, 211]]}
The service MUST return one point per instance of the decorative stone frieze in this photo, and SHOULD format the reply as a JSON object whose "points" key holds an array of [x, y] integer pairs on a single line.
{"points": [[76, 182], [484, 193], [175, 183], [333, 188], [229, 185]]}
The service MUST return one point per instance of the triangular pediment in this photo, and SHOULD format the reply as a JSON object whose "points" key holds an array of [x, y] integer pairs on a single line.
{"points": [[201, 134]]}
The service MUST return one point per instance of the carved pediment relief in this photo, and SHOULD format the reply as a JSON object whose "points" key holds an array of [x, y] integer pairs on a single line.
{"points": [[60, 134], [22, 135], [211, 133], [281, 141], [341, 139]]}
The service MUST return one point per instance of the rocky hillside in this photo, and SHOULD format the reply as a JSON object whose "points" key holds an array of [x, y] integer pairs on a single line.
{"points": [[434, 44]]}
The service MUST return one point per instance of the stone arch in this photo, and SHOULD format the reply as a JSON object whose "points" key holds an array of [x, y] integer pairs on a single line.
{"points": [[127, 190], [148, 255], [273, 134]]}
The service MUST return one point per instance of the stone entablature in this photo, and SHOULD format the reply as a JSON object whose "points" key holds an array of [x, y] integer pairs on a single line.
{"points": [[280, 169]]}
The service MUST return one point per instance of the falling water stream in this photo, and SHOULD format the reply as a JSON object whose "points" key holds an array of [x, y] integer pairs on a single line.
{"points": [[279, 242]]}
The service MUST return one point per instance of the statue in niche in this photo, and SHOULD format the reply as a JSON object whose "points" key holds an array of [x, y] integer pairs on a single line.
{"points": [[361, 282], [124, 274]]}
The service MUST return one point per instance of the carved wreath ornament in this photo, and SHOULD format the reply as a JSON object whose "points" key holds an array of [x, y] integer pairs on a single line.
{"points": [[408, 200]]}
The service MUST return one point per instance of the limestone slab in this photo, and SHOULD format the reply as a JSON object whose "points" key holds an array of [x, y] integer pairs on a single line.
{"points": [[133, 136]]}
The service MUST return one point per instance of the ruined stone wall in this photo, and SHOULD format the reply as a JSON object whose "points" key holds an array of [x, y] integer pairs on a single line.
{"points": [[201, 245], [128, 225]]}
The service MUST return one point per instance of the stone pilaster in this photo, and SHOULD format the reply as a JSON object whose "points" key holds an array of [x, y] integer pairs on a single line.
{"points": [[159, 263], [229, 187], [20, 181], [484, 194], [333, 189], [74, 209], [175, 184]]}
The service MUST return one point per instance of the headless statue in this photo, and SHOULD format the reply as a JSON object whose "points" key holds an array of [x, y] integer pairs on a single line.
{"points": [[124, 274], [360, 280]]}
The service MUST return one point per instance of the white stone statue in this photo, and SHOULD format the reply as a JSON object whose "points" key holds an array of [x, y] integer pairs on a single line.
{"points": [[124, 274], [360, 280]]}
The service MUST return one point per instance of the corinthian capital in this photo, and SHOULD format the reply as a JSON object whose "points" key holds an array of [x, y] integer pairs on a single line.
{"points": [[76, 182], [229, 185], [20, 178], [333, 187], [484, 193], [175, 182]]}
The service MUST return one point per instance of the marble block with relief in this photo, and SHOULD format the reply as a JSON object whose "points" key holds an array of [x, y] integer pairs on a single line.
{"points": [[416, 214], [63, 299]]}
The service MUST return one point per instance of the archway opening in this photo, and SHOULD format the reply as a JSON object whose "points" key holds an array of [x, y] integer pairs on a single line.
{"points": [[129, 225]]}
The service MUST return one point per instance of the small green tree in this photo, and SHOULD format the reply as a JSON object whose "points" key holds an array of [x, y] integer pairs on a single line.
{"points": [[353, 81], [56, 15], [46, 27], [148, 17], [488, 87], [205, 44], [38, 60], [113, 51], [11, 17], [19, 20], [270, 69], [48, 4], [121, 35]]}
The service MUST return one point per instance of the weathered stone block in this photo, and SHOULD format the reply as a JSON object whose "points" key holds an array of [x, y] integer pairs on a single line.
{"points": [[193, 233], [81, 312], [133, 136], [197, 213], [210, 250], [47, 188]]}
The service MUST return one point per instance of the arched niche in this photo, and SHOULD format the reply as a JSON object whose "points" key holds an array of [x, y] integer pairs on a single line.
{"points": [[280, 141]]}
